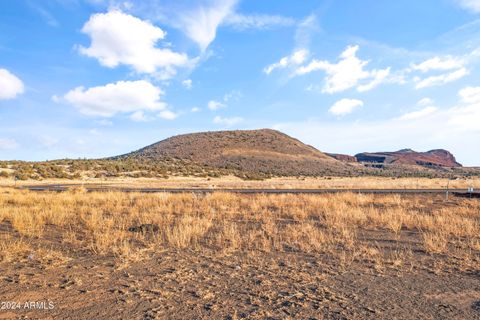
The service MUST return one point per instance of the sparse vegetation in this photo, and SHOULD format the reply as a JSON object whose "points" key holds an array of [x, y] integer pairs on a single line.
{"points": [[285, 253], [329, 224]]}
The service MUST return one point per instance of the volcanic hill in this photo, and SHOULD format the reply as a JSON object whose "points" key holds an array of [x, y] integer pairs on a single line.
{"points": [[266, 151], [432, 158]]}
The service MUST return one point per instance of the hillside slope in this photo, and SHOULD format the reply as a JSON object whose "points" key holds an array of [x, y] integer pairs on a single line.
{"points": [[265, 151], [432, 158]]}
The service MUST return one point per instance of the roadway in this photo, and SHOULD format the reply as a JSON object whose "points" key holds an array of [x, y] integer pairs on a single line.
{"points": [[61, 188]]}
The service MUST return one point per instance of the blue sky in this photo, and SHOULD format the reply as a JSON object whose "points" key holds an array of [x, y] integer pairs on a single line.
{"points": [[95, 78]]}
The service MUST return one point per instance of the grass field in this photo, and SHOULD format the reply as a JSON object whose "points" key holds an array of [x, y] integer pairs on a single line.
{"points": [[272, 183], [46, 239]]}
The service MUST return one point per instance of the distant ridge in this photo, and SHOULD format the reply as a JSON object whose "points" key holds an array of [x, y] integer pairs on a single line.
{"points": [[432, 158]]}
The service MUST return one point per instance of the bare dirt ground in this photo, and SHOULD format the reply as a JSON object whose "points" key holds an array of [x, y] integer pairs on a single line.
{"points": [[376, 270], [202, 285]]}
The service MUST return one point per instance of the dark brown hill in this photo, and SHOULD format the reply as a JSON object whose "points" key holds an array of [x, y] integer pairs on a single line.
{"points": [[265, 151], [432, 158]]}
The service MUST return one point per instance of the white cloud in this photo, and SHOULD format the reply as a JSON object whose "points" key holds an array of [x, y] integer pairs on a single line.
{"points": [[119, 38], [215, 105], [347, 73], [257, 21], [305, 30], [419, 114], [200, 24], [195, 109], [345, 106], [94, 132], [168, 115], [438, 63], [472, 5], [233, 95], [187, 84], [455, 129], [227, 121], [47, 140], [453, 69], [466, 120], [104, 122], [8, 143], [139, 116], [470, 95], [45, 14], [119, 97], [379, 76], [296, 58], [440, 79], [425, 102], [10, 85]]}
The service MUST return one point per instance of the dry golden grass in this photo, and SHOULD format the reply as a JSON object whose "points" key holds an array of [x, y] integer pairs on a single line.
{"points": [[273, 183], [336, 224]]}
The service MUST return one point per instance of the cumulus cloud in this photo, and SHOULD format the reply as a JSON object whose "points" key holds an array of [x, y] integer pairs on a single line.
{"points": [[347, 73], [119, 38], [10, 85], [114, 98], [345, 106], [471, 5], [296, 58], [215, 105], [8, 143], [257, 21], [227, 121], [470, 95]]}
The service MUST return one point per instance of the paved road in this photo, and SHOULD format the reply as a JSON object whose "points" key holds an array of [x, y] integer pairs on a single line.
{"points": [[59, 188]]}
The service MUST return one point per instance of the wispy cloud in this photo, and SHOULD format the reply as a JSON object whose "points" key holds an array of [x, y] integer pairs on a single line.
{"points": [[295, 59], [440, 79], [44, 13], [8, 143], [200, 20], [227, 121], [471, 5], [215, 105], [419, 114], [257, 21]]}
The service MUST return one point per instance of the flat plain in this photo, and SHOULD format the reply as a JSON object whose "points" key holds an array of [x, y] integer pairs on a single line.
{"points": [[114, 255]]}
